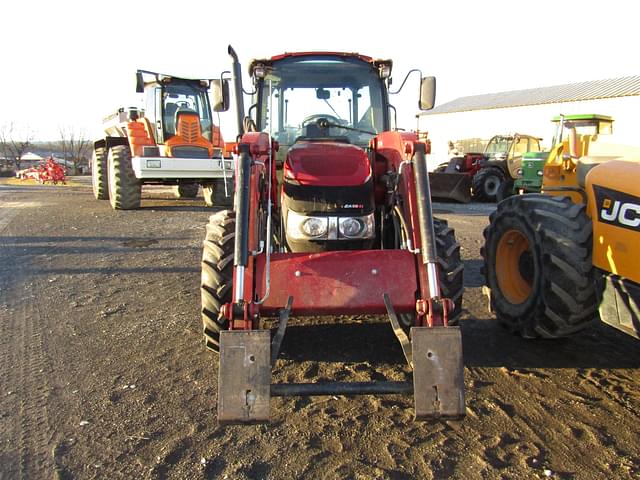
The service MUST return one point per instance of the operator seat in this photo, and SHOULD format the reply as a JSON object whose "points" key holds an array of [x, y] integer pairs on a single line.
{"points": [[188, 140], [170, 119]]}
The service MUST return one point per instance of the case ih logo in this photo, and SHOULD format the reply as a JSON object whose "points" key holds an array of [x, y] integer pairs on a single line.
{"points": [[618, 208]]}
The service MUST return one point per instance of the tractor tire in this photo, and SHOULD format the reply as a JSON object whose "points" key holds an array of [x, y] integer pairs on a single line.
{"points": [[450, 269], [214, 193], [441, 168], [506, 190], [124, 188], [537, 265], [99, 174], [486, 184], [186, 190], [217, 275]]}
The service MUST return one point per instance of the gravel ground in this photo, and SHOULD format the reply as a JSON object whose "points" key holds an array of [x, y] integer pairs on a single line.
{"points": [[103, 373]]}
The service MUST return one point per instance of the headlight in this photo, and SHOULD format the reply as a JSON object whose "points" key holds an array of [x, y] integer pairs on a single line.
{"points": [[519, 172], [314, 227], [350, 227], [539, 173], [301, 227], [356, 227]]}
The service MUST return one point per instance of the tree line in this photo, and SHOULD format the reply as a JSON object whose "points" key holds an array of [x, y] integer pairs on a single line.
{"points": [[73, 145]]}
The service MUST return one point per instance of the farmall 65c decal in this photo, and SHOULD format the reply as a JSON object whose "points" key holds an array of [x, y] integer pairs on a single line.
{"points": [[617, 208]]}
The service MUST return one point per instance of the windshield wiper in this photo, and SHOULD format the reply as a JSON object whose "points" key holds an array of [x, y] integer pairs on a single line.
{"points": [[324, 123]]}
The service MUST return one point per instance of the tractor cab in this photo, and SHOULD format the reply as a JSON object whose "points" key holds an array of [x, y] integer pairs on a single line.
{"points": [[171, 102], [321, 97]]}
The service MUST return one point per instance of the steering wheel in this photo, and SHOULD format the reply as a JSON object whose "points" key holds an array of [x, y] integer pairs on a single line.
{"points": [[317, 116]]}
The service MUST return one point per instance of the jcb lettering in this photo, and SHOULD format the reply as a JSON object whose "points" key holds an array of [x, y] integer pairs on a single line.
{"points": [[610, 215], [621, 209], [627, 214]]}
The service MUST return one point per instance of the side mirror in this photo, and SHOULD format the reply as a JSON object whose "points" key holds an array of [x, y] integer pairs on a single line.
{"points": [[220, 95], [427, 93], [139, 82]]}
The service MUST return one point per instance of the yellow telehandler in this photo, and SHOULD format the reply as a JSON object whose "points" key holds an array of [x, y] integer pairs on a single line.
{"points": [[555, 260]]}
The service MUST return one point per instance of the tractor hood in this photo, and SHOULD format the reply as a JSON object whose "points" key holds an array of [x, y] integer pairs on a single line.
{"points": [[323, 163]]}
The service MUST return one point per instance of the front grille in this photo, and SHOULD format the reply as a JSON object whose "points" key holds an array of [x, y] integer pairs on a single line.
{"points": [[189, 152], [313, 199], [189, 129]]}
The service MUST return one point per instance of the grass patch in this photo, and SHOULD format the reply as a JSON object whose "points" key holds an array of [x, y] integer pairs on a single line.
{"points": [[29, 182]]}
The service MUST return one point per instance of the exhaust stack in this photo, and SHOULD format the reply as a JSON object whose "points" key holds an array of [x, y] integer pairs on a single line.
{"points": [[237, 87]]}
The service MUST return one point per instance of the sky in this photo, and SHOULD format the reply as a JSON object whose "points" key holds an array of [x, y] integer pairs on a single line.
{"points": [[71, 63]]}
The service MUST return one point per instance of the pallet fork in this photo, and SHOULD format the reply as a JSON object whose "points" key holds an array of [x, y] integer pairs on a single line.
{"points": [[246, 359]]}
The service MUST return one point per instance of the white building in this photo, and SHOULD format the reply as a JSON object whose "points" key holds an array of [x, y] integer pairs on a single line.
{"points": [[530, 112]]}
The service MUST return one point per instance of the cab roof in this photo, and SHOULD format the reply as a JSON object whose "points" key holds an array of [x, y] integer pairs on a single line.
{"points": [[287, 55]]}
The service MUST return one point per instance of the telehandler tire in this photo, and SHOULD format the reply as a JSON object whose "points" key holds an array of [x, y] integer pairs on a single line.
{"points": [[214, 193], [99, 174], [186, 190], [217, 274], [538, 267], [124, 188], [486, 184], [450, 268]]}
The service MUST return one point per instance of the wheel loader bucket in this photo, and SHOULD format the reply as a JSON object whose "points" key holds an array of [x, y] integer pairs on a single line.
{"points": [[450, 186]]}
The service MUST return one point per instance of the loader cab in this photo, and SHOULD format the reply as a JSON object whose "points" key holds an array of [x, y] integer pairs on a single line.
{"points": [[509, 150], [587, 124], [295, 92], [166, 98]]}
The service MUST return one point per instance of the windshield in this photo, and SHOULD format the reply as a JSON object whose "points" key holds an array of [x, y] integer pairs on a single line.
{"points": [[297, 92], [185, 97], [498, 145]]}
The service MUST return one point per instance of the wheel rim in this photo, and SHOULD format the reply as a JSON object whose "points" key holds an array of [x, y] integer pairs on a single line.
{"points": [[492, 185], [514, 267]]}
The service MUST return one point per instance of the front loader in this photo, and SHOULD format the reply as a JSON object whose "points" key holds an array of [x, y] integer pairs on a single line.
{"points": [[332, 217]]}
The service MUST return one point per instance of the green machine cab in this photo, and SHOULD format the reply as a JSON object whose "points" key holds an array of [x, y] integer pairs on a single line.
{"points": [[530, 173]]}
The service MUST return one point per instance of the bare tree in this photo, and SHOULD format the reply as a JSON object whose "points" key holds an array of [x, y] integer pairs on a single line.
{"points": [[14, 143], [75, 146]]}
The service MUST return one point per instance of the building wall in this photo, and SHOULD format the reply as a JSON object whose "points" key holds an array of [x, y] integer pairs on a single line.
{"points": [[532, 120]]}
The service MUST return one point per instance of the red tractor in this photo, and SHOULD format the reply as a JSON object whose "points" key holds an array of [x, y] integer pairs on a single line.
{"points": [[332, 216]]}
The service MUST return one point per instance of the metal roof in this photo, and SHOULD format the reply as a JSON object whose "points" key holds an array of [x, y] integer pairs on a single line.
{"points": [[572, 92]]}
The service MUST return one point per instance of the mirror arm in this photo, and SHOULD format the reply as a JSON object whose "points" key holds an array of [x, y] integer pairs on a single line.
{"points": [[405, 80]]}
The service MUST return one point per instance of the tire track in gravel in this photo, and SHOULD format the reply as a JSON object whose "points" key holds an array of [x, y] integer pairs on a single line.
{"points": [[33, 384], [24, 383], [7, 212]]}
